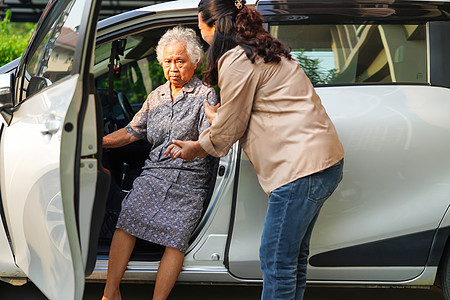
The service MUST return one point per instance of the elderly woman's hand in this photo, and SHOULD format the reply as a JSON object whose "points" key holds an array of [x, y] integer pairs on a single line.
{"points": [[187, 150], [210, 111]]}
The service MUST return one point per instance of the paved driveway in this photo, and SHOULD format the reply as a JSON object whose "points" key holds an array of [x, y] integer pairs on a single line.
{"points": [[207, 292]]}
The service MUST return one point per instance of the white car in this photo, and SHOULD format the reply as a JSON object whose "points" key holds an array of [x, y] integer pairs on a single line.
{"points": [[382, 70]]}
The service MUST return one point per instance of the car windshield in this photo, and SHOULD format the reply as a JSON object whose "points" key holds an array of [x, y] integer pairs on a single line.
{"points": [[358, 53]]}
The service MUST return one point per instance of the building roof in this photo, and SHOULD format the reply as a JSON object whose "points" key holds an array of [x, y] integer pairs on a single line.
{"points": [[31, 10]]}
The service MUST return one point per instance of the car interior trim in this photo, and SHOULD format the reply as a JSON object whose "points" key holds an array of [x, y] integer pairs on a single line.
{"points": [[122, 18]]}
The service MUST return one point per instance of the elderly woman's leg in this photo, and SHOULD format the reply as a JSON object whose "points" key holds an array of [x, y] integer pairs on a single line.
{"points": [[121, 247], [168, 271]]}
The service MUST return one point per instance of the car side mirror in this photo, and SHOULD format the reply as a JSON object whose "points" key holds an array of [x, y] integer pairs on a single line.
{"points": [[6, 91], [36, 84]]}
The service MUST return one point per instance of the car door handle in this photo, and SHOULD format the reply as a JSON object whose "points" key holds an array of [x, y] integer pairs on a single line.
{"points": [[221, 171], [51, 127]]}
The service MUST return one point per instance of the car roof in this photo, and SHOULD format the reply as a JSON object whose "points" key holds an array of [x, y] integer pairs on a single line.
{"points": [[180, 4], [177, 5]]}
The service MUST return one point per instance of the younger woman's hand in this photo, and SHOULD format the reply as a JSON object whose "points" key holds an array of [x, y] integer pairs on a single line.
{"points": [[210, 111], [187, 150], [173, 150]]}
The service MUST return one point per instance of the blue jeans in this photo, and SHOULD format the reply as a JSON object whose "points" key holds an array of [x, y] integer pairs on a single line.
{"points": [[291, 215]]}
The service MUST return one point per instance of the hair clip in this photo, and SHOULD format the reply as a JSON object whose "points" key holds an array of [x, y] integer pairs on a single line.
{"points": [[238, 4]]}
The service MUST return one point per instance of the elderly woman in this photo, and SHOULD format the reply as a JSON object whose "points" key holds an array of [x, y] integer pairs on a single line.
{"points": [[166, 200]]}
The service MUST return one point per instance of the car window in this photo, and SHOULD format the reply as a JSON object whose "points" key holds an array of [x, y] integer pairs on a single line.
{"points": [[136, 78], [52, 55], [358, 53]]}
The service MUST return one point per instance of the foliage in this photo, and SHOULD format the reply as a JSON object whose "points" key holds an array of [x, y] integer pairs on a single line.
{"points": [[312, 69], [14, 38]]}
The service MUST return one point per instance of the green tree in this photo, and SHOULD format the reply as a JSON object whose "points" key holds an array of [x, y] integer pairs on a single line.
{"points": [[14, 38], [312, 69]]}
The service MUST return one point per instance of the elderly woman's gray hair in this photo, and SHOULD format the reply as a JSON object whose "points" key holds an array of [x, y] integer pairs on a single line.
{"points": [[185, 36]]}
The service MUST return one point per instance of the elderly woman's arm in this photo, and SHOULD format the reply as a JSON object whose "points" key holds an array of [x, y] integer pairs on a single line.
{"points": [[118, 138]]}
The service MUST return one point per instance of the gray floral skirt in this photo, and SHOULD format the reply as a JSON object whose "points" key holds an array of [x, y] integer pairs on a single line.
{"points": [[163, 212]]}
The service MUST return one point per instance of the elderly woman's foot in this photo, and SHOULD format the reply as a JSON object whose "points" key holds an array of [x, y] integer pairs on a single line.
{"points": [[112, 297]]}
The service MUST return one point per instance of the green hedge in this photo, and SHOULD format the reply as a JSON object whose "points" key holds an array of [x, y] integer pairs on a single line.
{"points": [[14, 38]]}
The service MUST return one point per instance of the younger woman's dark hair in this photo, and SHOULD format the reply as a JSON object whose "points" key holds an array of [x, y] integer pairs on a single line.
{"points": [[237, 24]]}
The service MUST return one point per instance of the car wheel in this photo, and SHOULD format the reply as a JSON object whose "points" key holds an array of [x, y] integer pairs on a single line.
{"points": [[444, 274]]}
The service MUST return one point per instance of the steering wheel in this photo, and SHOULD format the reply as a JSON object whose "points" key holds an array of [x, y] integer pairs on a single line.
{"points": [[125, 106]]}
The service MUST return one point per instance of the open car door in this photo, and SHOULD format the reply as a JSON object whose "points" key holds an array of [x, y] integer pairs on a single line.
{"points": [[53, 186]]}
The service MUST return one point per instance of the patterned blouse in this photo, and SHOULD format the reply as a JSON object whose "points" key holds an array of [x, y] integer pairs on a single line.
{"points": [[161, 121]]}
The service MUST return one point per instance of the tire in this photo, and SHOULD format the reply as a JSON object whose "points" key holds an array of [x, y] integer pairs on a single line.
{"points": [[444, 273]]}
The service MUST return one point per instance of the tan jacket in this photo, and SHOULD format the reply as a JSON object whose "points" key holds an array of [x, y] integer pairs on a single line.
{"points": [[275, 113]]}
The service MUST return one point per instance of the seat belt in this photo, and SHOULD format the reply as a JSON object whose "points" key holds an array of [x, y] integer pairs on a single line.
{"points": [[114, 68]]}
